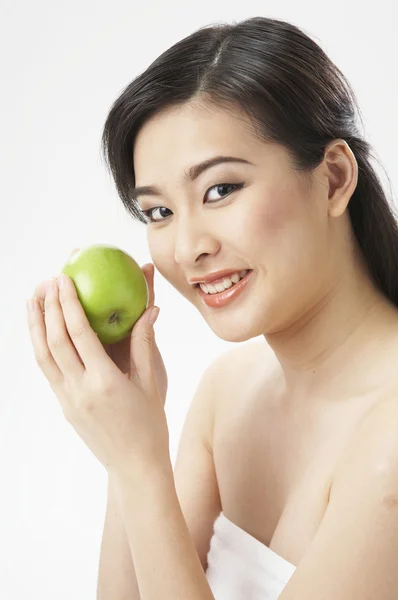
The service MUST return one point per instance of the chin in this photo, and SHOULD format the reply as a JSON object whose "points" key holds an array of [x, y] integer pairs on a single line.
{"points": [[238, 332], [240, 336]]}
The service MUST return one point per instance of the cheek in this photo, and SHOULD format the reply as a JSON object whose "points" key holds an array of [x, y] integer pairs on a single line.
{"points": [[267, 226], [282, 240]]}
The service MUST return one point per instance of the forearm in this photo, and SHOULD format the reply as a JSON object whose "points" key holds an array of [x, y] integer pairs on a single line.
{"points": [[116, 575], [166, 562]]}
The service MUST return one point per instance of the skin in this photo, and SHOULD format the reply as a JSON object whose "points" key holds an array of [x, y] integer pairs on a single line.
{"points": [[283, 225]]}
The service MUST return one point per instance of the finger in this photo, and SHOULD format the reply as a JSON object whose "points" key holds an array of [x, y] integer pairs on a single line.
{"points": [[84, 338], [38, 336], [40, 293], [41, 289], [149, 271], [59, 342], [142, 348]]}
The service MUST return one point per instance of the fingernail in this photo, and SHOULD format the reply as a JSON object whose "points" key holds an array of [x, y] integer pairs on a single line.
{"points": [[154, 315]]}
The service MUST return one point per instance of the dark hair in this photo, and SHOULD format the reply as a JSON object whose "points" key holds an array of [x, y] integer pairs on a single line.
{"points": [[292, 93]]}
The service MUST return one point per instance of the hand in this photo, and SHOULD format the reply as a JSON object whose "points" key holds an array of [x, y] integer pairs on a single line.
{"points": [[120, 352], [119, 415]]}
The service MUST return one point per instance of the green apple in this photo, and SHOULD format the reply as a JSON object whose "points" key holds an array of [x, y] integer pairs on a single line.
{"points": [[111, 287]]}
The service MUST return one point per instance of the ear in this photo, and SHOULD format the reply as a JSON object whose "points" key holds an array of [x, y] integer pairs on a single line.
{"points": [[342, 174]]}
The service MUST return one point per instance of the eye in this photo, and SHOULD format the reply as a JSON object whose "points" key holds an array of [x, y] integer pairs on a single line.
{"points": [[149, 213]]}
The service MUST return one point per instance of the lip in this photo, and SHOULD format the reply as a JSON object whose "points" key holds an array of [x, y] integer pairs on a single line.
{"points": [[216, 276], [223, 298]]}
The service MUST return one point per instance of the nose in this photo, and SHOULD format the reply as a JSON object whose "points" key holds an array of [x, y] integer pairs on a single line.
{"points": [[192, 241]]}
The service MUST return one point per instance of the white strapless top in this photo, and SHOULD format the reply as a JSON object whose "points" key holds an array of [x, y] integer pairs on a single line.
{"points": [[240, 567]]}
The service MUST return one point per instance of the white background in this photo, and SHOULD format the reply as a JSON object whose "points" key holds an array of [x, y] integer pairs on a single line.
{"points": [[62, 66]]}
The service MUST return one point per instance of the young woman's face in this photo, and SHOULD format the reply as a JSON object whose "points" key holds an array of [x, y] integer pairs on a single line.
{"points": [[275, 224]]}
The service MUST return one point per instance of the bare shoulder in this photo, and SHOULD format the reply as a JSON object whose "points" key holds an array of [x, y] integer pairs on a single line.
{"points": [[228, 379], [374, 446]]}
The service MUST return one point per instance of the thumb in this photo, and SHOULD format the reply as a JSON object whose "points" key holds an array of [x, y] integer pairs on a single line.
{"points": [[141, 348]]}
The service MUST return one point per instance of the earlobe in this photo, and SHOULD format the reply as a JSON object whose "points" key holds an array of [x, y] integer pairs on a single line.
{"points": [[342, 174]]}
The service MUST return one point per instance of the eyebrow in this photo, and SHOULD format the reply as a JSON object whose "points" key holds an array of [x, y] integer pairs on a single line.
{"points": [[190, 175]]}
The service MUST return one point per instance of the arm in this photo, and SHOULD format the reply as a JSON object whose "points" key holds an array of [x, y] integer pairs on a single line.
{"points": [[116, 578], [166, 562], [197, 490], [170, 541]]}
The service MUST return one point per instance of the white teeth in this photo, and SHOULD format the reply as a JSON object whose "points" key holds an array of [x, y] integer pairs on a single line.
{"points": [[220, 287], [224, 285], [210, 288]]}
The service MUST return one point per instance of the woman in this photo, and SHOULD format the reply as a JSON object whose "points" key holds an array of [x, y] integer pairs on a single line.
{"points": [[287, 467]]}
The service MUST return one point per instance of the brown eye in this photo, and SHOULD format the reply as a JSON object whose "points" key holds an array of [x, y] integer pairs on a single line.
{"points": [[148, 213], [220, 186]]}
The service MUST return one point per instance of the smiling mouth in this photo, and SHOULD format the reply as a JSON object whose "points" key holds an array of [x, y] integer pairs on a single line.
{"points": [[233, 281], [221, 299]]}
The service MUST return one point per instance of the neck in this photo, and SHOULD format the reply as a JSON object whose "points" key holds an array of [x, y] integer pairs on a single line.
{"points": [[339, 344]]}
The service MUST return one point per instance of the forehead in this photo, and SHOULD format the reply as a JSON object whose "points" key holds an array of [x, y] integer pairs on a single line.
{"points": [[181, 136]]}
